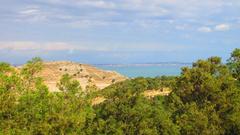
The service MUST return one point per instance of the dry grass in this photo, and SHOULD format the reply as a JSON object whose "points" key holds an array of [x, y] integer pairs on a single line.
{"points": [[153, 93], [98, 100], [147, 93], [52, 72]]}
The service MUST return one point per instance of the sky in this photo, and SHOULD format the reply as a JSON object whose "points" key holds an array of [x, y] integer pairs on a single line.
{"points": [[118, 31]]}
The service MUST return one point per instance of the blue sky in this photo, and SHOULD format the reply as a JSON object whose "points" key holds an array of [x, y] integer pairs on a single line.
{"points": [[118, 31]]}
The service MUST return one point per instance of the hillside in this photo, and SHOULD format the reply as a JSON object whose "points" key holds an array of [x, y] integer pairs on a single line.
{"points": [[85, 74]]}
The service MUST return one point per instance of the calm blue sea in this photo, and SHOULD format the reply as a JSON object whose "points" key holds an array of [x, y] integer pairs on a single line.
{"points": [[147, 70]]}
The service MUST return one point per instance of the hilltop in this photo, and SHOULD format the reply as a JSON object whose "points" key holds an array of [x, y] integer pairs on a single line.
{"points": [[84, 73]]}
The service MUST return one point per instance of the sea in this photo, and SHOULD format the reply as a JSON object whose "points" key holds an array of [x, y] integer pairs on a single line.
{"points": [[145, 70]]}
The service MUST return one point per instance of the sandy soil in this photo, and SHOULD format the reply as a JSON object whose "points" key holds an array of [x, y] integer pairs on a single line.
{"points": [[84, 73]]}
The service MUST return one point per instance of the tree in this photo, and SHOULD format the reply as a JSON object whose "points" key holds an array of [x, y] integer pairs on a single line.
{"points": [[204, 100], [27, 107], [5, 67], [9, 84], [32, 68], [29, 72], [13, 84], [68, 85], [234, 63], [127, 111], [203, 97]]}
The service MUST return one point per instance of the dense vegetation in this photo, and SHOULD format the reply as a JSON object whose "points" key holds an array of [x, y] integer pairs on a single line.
{"points": [[205, 99]]}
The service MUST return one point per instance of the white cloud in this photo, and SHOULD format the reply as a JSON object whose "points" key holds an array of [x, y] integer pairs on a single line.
{"points": [[204, 29], [182, 27], [47, 46], [219, 27], [95, 23], [82, 3], [98, 4], [29, 12], [32, 46], [222, 27], [32, 14], [88, 23], [179, 8], [91, 13]]}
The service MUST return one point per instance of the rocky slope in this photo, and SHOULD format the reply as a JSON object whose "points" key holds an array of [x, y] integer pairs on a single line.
{"points": [[85, 74]]}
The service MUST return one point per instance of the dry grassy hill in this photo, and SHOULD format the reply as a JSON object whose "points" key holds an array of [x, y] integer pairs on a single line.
{"points": [[52, 72]]}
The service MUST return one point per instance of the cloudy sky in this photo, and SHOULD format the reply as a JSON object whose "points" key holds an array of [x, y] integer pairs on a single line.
{"points": [[118, 31]]}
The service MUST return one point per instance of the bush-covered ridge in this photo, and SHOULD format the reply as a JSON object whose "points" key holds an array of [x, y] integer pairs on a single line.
{"points": [[205, 99]]}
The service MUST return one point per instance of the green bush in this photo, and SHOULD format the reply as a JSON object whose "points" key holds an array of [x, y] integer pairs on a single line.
{"points": [[205, 99]]}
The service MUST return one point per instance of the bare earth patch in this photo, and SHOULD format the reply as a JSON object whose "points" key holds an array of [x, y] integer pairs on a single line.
{"points": [[98, 100], [148, 93], [153, 93], [85, 74]]}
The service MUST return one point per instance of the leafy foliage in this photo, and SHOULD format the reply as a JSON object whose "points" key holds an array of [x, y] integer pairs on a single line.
{"points": [[234, 63], [205, 99], [68, 85]]}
